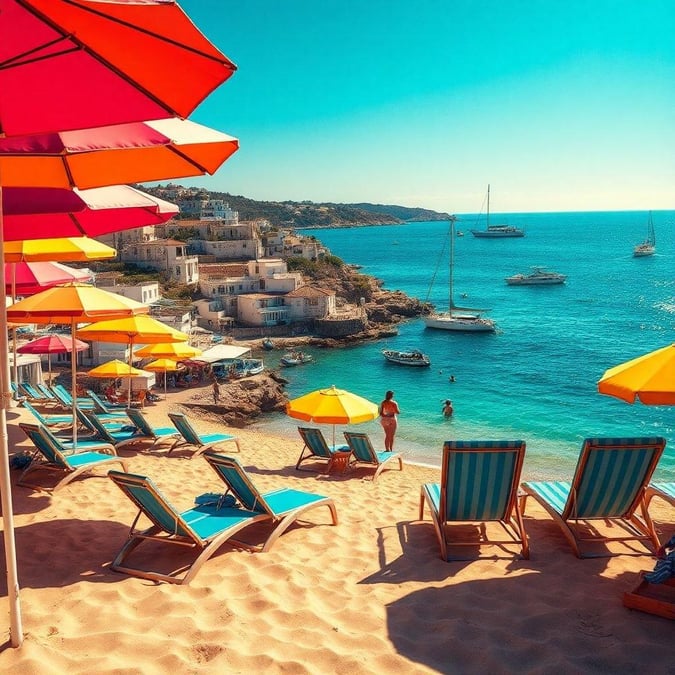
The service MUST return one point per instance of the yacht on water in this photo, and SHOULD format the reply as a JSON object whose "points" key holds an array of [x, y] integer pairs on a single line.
{"points": [[458, 318], [648, 246], [538, 277], [497, 231]]}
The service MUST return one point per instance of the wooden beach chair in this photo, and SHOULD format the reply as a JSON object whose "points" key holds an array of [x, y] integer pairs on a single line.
{"points": [[364, 453], [479, 484], [204, 528], [609, 484], [283, 506], [315, 447], [201, 442], [56, 456], [665, 491]]}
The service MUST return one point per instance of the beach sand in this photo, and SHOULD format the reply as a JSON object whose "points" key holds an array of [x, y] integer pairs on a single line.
{"points": [[370, 595]]}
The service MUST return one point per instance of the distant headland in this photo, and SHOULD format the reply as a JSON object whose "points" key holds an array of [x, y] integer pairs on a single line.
{"points": [[311, 215]]}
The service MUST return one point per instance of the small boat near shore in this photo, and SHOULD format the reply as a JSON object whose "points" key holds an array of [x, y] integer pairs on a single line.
{"points": [[291, 359], [538, 277], [412, 358]]}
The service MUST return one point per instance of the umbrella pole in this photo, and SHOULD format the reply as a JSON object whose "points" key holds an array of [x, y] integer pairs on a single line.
{"points": [[15, 626], [165, 384], [131, 358], [73, 383], [16, 365]]}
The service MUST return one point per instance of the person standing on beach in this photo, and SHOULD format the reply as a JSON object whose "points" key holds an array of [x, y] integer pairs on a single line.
{"points": [[216, 390], [447, 408], [388, 411]]}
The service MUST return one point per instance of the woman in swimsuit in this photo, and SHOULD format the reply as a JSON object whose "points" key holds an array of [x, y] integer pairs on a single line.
{"points": [[388, 411]]}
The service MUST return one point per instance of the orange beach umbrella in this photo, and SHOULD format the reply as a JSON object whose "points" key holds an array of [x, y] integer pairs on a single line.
{"points": [[650, 378]]}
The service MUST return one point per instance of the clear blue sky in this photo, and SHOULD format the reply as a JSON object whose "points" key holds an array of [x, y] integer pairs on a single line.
{"points": [[559, 104]]}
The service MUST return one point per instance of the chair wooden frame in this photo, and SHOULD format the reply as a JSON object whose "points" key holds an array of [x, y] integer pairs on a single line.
{"points": [[316, 447], [609, 484], [665, 491], [204, 528], [364, 453], [55, 458], [466, 465], [201, 442], [283, 506]]}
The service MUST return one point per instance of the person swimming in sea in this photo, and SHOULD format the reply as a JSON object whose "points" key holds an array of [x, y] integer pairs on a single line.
{"points": [[447, 408]]}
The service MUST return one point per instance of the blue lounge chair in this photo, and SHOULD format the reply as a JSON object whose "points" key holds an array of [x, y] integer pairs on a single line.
{"points": [[157, 433], [364, 453], [65, 398], [31, 393], [101, 406], [609, 484], [283, 506], [479, 484], [665, 491], [56, 457], [204, 528], [48, 420], [315, 447], [46, 392], [201, 442], [119, 436], [16, 394]]}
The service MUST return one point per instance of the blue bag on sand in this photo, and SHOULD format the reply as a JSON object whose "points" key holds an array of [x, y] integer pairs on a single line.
{"points": [[219, 500], [665, 567]]}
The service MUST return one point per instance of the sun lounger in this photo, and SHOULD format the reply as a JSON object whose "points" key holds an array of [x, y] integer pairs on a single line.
{"points": [[609, 485], [284, 506], [56, 457], [479, 484], [65, 398], [46, 392], [204, 527], [364, 453], [158, 433], [120, 436], [101, 406], [201, 442], [665, 491], [48, 420], [315, 447]]}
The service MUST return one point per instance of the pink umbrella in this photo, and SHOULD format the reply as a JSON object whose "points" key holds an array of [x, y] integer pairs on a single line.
{"points": [[52, 344], [72, 64], [28, 278], [42, 213]]}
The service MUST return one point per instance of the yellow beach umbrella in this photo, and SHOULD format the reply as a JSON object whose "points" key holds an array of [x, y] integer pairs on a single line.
{"points": [[131, 330], [73, 304], [174, 350], [114, 369], [162, 365], [66, 249], [650, 378], [332, 406]]}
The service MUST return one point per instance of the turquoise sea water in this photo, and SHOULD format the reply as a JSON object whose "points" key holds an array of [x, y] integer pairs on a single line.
{"points": [[535, 379]]}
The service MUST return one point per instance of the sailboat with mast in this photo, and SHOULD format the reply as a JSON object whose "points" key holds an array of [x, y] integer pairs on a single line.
{"points": [[497, 231], [648, 246], [456, 318]]}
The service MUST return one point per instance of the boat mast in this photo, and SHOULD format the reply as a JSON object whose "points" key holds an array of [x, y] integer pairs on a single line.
{"points": [[488, 207], [451, 304], [650, 234]]}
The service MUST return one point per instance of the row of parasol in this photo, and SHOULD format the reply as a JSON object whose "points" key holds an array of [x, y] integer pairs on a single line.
{"points": [[93, 94]]}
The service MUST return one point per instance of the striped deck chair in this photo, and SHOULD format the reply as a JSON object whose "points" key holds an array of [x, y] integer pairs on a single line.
{"points": [[609, 484], [315, 447], [665, 491], [364, 453], [56, 457], [204, 527], [200, 442], [283, 506], [479, 484]]}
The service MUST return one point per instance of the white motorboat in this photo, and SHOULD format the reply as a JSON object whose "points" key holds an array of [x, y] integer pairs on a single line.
{"points": [[414, 357], [538, 277], [497, 231]]}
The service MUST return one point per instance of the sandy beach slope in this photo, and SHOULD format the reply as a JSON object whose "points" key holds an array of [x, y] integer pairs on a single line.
{"points": [[370, 595]]}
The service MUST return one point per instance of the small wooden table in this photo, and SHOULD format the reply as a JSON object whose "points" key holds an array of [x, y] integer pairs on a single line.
{"points": [[656, 599]]}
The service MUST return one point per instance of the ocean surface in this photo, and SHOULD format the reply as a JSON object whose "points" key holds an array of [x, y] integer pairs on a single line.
{"points": [[534, 379]]}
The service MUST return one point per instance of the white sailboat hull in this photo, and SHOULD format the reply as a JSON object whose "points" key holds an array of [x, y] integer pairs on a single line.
{"points": [[466, 323]]}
